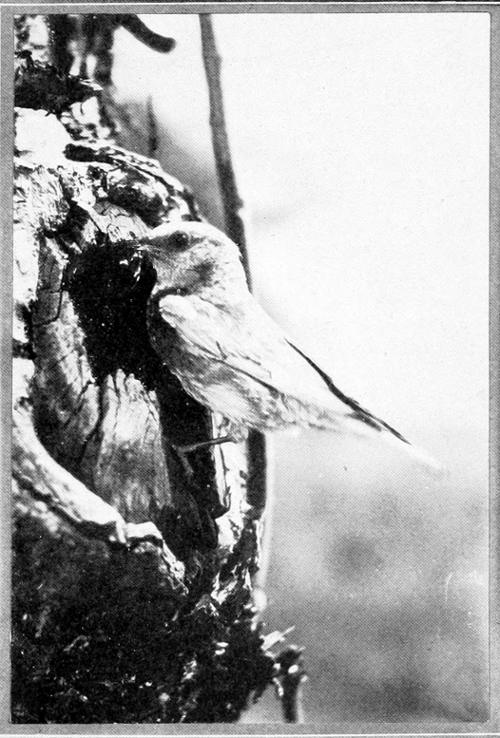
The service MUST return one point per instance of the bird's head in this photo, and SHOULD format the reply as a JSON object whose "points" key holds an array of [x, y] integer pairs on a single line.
{"points": [[191, 257]]}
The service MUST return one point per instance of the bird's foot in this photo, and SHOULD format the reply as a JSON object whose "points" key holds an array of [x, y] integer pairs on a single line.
{"points": [[183, 451], [203, 444]]}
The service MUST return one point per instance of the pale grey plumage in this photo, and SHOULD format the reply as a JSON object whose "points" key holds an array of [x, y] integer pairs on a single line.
{"points": [[226, 351]]}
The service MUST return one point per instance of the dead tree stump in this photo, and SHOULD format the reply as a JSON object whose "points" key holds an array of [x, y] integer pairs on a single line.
{"points": [[132, 579]]}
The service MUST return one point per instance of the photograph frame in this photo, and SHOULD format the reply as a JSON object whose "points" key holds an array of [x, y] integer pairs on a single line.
{"points": [[492, 726]]}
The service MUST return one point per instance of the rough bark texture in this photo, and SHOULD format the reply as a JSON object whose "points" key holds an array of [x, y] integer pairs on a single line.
{"points": [[131, 577]]}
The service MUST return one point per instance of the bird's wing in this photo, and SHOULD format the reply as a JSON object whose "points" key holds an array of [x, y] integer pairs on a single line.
{"points": [[246, 341], [357, 411]]}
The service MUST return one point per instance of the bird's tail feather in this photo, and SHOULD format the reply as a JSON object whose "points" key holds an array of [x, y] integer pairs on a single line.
{"points": [[362, 422], [424, 459]]}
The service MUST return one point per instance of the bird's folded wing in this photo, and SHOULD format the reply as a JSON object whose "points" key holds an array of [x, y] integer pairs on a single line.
{"points": [[247, 341], [255, 355]]}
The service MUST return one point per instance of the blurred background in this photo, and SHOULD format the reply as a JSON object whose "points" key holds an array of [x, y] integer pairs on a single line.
{"points": [[360, 143]]}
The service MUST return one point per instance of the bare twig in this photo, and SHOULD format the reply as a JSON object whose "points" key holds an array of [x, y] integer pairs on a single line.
{"points": [[258, 478], [140, 30], [289, 683], [231, 201], [152, 127]]}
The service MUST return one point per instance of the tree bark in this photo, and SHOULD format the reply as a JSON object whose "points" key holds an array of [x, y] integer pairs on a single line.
{"points": [[132, 578]]}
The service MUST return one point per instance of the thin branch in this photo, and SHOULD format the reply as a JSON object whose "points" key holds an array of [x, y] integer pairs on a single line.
{"points": [[290, 679], [231, 200], [140, 30], [152, 127], [258, 482]]}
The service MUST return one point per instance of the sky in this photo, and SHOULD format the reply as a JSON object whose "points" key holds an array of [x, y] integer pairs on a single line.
{"points": [[360, 143]]}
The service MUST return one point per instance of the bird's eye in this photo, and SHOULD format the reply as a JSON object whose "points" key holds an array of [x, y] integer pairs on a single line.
{"points": [[179, 240]]}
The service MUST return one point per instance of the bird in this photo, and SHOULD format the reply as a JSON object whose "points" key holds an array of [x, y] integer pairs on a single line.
{"points": [[229, 354]]}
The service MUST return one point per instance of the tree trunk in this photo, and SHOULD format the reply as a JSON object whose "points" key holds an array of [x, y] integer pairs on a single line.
{"points": [[132, 571]]}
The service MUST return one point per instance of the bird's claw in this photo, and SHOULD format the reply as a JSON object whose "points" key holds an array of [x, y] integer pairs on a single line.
{"points": [[183, 451]]}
